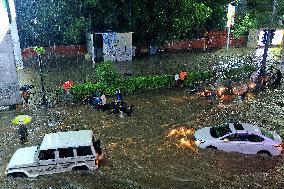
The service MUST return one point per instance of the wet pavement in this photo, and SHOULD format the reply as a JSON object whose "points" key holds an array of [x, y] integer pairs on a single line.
{"points": [[153, 148]]}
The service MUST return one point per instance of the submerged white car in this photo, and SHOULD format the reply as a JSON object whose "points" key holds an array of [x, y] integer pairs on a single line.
{"points": [[239, 137], [58, 152]]}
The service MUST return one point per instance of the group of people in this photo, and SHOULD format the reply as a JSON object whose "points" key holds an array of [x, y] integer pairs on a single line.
{"points": [[264, 78], [98, 100]]}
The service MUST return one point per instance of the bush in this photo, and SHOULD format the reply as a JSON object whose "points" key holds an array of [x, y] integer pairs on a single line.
{"points": [[106, 73], [135, 84], [194, 77], [84, 90]]}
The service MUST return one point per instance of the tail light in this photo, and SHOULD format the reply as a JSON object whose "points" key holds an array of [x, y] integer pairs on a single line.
{"points": [[277, 145]]}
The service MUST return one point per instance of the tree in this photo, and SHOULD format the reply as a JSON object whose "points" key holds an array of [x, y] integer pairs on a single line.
{"points": [[46, 23], [243, 24], [153, 22]]}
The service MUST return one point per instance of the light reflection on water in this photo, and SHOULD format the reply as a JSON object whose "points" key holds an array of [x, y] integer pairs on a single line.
{"points": [[183, 137]]}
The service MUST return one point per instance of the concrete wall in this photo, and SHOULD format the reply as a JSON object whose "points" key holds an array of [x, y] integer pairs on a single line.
{"points": [[10, 55], [9, 85]]}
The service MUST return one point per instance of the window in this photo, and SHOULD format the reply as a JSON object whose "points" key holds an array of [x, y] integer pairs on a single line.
{"points": [[267, 133], [255, 138], [65, 152], [234, 137], [84, 151], [46, 154], [220, 131], [238, 126]]}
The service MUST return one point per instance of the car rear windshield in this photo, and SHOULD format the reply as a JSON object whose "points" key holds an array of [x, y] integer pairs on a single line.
{"points": [[266, 133], [219, 131]]}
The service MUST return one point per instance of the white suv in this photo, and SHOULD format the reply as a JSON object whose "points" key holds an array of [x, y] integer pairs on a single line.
{"points": [[58, 152]]}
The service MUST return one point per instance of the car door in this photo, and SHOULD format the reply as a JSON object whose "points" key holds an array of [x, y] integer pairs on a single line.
{"points": [[66, 159], [86, 155], [251, 143], [230, 143], [47, 162]]}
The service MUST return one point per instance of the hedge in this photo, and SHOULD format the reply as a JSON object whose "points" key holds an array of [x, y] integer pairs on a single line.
{"points": [[135, 84]]}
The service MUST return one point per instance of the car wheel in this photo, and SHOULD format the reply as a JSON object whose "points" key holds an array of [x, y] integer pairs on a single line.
{"points": [[211, 147], [263, 153]]}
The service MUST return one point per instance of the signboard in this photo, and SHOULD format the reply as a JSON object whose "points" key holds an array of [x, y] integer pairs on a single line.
{"points": [[230, 15], [117, 46]]}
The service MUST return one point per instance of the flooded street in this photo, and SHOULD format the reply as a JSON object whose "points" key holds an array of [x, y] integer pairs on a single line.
{"points": [[156, 73], [153, 148]]}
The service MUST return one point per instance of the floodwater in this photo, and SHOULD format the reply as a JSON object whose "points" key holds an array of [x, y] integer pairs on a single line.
{"points": [[153, 148]]}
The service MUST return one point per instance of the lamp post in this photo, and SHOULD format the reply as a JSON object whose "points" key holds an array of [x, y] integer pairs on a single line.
{"points": [[39, 51]]}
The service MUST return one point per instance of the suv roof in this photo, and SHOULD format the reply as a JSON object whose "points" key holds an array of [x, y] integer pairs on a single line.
{"points": [[67, 139]]}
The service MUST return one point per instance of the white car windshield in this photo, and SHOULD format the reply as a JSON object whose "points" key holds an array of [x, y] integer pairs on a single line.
{"points": [[219, 131]]}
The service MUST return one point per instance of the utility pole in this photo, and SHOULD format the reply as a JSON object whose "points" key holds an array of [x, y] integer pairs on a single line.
{"points": [[264, 58], [41, 81]]}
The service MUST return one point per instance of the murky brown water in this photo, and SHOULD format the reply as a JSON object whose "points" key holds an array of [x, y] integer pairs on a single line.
{"points": [[153, 148]]}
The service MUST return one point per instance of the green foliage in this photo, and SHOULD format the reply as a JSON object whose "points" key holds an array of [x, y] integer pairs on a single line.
{"points": [[216, 20], [73, 34], [39, 50], [194, 77], [92, 2], [261, 11], [84, 90], [45, 23], [106, 73], [276, 53], [136, 84], [153, 22], [131, 85], [242, 26]]}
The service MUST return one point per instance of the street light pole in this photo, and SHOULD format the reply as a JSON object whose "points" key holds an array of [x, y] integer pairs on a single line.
{"points": [[264, 58]]}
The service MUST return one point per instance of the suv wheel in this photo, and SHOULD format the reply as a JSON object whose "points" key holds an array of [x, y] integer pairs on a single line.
{"points": [[19, 175], [77, 168]]}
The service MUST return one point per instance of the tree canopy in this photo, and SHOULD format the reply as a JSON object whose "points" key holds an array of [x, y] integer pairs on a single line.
{"points": [[46, 23]]}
